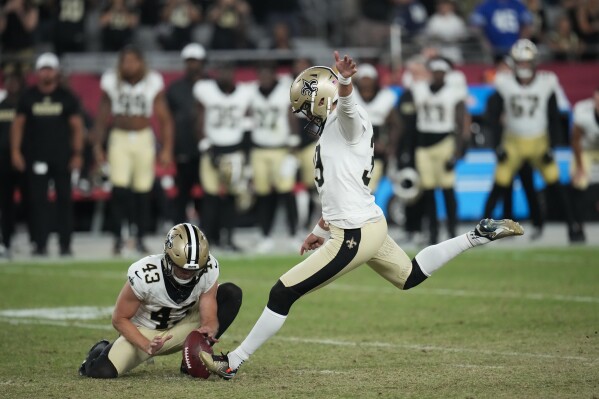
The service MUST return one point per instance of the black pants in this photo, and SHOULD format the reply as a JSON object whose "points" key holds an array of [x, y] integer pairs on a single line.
{"points": [[41, 207], [187, 176], [10, 180]]}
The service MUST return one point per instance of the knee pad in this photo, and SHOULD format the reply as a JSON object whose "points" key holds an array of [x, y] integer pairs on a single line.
{"points": [[229, 291], [281, 298], [101, 366]]}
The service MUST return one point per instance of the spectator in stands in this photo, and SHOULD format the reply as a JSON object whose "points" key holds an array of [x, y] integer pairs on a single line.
{"points": [[117, 22], [500, 24], [69, 27], [564, 42], [411, 15], [230, 19], [10, 178], [181, 103], [539, 20], [50, 127], [18, 20], [373, 24], [280, 37], [588, 22], [180, 16], [447, 27]]}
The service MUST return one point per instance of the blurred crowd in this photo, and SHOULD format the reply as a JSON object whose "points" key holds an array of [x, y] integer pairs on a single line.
{"points": [[183, 168], [564, 30]]}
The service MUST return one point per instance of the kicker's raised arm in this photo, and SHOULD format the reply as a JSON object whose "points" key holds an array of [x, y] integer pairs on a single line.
{"points": [[349, 120]]}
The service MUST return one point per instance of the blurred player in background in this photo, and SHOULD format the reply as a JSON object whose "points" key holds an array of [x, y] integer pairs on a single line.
{"points": [[443, 131], [132, 94], [527, 119], [380, 105], [305, 156], [48, 128], [222, 110], [183, 108], [11, 178], [353, 226], [274, 168], [166, 296], [585, 145]]}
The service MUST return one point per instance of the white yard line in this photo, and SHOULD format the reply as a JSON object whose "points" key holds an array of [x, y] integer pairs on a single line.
{"points": [[467, 293], [333, 342]]}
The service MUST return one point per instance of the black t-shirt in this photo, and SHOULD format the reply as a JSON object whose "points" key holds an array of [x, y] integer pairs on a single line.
{"points": [[47, 135], [183, 107], [7, 115]]}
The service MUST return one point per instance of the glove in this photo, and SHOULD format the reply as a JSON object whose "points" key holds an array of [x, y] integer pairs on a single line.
{"points": [[500, 154], [548, 156]]}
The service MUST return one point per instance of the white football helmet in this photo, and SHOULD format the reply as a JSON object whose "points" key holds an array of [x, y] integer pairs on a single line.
{"points": [[313, 93], [523, 56]]}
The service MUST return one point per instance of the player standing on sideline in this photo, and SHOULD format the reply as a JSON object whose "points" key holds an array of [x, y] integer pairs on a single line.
{"points": [[10, 178], [353, 226], [273, 167], [305, 155], [585, 145], [50, 127], [132, 94], [379, 103], [222, 108], [182, 105], [166, 296], [443, 131], [528, 114]]}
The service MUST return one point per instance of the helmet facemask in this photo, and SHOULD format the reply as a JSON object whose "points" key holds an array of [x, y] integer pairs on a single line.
{"points": [[313, 94], [523, 59]]}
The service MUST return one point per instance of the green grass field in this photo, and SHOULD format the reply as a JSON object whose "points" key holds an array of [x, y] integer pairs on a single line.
{"points": [[492, 324]]}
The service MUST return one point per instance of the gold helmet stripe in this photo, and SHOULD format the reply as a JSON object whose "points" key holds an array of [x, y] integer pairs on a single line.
{"points": [[191, 237]]}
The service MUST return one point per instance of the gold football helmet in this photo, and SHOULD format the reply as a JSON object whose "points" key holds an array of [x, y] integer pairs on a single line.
{"points": [[523, 57], [186, 247], [313, 93]]}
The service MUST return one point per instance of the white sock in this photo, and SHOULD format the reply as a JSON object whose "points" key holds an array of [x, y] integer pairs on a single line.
{"points": [[432, 258], [267, 325]]}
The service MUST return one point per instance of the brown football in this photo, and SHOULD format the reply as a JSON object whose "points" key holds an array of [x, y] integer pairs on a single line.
{"points": [[194, 344]]}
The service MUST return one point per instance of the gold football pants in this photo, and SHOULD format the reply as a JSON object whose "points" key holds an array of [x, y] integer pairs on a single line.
{"points": [[131, 156]]}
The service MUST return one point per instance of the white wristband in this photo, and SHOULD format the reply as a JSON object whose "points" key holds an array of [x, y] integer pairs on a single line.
{"points": [[320, 232], [343, 80]]}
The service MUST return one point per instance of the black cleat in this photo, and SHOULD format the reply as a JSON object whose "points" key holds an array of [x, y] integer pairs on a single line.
{"points": [[104, 343]]}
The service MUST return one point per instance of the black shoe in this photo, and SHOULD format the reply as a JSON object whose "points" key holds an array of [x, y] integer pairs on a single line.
{"points": [[576, 234], [537, 233], [40, 252], [231, 247], [104, 343], [117, 248], [141, 248], [66, 252]]}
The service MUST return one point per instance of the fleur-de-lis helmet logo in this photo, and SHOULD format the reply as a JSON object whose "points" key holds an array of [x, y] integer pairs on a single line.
{"points": [[310, 87]]}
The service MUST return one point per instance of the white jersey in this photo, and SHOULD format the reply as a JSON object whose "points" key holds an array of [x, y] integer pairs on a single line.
{"points": [[132, 100], [270, 115], [162, 304], [224, 114], [525, 107], [586, 117], [343, 169], [436, 110], [380, 106]]}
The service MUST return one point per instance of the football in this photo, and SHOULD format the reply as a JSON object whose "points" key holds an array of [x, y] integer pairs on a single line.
{"points": [[194, 344]]}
